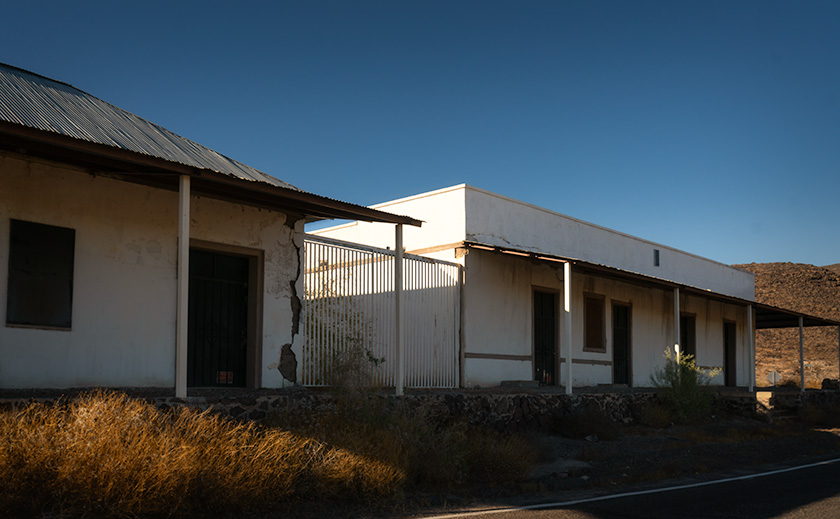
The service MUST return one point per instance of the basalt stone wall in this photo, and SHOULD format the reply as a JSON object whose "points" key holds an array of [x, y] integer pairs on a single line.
{"points": [[793, 401], [505, 412]]}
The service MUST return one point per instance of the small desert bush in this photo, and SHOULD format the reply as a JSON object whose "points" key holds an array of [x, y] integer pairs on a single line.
{"points": [[106, 454], [684, 387]]}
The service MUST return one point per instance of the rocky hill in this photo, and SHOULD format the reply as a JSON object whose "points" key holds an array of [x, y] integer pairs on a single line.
{"points": [[804, 288]]}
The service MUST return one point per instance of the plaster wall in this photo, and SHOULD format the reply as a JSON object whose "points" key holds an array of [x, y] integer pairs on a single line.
{"points": [[505, 222], [464, 212], [124, 286], [498, 323]]}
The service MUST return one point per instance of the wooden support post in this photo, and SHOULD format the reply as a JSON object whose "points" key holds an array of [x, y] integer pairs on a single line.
{"points": [[751, 347], [567, 331], [801, 355], [677, 323], [182, 310], [398, 292]]}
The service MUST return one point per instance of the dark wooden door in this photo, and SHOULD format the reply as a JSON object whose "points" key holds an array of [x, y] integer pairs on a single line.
{"points": [[621, 344], [218, 320], [729, 353], [688, 336], [545, 337]]}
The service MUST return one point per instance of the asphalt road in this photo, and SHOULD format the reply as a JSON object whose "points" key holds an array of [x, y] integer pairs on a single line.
{"points": [[806, 493]]}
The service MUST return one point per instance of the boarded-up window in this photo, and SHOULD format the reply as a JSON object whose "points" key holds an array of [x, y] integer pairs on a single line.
{"points": [[594, 337], [40, 291]]}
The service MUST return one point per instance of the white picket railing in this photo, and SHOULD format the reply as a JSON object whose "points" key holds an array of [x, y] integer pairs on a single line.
{"points": [[349, 317]]}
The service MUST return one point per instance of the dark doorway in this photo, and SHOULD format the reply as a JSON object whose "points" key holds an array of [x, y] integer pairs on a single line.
{"points": [[729, 349], [621, 344], [545, 337], [688, 336], [218, 319]]}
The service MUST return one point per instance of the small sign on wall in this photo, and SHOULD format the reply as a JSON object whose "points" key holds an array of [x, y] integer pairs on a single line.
{"points": [[224, 377]]}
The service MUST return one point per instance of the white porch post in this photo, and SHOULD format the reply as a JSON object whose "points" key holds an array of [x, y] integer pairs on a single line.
{"points": [[567, 313], [398, 289], [183, 287], [801, 355], [751, 347], [677, 322]]}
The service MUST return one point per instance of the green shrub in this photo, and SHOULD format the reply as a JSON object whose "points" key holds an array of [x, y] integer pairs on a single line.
{"points": [[684, 387]]}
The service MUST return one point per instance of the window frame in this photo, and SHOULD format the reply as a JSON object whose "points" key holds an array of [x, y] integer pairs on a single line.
{"points": [[28, 241], [587, 337]]}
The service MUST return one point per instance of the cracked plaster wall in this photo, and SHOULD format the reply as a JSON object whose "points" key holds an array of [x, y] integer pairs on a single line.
{"points": [[124, 287]]}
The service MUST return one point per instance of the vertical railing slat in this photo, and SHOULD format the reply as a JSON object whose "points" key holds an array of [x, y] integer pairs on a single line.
{"points": [[348, 310]]}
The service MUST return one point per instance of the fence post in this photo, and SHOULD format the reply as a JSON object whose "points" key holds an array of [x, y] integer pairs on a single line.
{"points": [[398, 282]]}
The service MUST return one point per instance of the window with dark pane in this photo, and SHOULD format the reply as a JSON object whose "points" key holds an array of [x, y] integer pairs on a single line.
{"points": [[594, 336], [40, 291]]}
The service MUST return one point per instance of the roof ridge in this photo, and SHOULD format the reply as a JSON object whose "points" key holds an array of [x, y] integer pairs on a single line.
{"points": [[20, 69]]}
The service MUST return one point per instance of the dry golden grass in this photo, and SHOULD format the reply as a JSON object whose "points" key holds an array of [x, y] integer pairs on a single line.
{"points": [[433, 452], [107, 454]]}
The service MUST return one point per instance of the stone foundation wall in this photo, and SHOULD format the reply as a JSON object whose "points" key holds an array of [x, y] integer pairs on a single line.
{"points": [[794, 401], [504, 412], [501, 411]]}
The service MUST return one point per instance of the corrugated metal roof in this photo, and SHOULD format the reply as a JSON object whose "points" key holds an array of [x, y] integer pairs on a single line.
{"points": [[42, 103]]}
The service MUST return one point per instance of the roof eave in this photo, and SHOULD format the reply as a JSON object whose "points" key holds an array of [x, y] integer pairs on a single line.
{"points": [[147, 169], [766, 316]]}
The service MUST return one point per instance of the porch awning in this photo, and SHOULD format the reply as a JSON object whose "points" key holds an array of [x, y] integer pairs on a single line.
{"points": [[766, 316]]}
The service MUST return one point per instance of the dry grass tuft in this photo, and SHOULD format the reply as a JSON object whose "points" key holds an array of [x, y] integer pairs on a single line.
{"points": [[107, 454], [432, 450]]}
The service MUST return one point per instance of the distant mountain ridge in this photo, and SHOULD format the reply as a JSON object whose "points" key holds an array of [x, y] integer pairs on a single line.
{"points": [[803, 288]]}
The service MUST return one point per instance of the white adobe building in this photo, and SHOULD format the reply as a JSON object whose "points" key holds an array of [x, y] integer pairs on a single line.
{"points": [[536, 282], [133, 257]]}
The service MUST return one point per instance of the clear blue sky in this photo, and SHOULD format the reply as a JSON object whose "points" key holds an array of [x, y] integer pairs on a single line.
{"points": [[710, 126]]}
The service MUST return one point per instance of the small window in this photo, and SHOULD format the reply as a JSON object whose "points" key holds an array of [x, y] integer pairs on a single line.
{"points": [[40, 291], [655, 257], [594, 337]]}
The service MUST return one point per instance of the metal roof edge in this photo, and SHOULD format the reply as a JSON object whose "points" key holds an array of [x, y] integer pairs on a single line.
{"points": [[123, 155], [814, 320]]}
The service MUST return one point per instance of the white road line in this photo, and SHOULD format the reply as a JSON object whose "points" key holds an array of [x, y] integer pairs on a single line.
{"points": [[631, 494]]}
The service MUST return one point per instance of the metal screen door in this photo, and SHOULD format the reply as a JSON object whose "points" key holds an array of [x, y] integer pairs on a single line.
{"points": [[218, 320], [621, 344], [545, 337]]}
